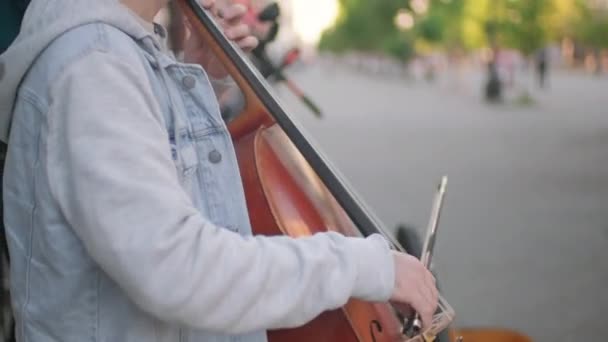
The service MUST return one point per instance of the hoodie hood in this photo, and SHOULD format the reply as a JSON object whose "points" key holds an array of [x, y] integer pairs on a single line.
{"points": [[44, 21]]}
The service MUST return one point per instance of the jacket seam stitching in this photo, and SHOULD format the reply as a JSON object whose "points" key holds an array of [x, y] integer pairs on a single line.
{"points": [[104, 47], [29, 96], [50, 122], [26, 302], [97, 44], [97, 315]]}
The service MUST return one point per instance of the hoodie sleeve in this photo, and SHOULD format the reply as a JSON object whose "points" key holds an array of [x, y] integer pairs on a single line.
{"points": [[110, 170]]}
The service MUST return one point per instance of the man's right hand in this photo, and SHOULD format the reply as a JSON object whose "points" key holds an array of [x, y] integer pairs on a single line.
{"points": [[415, 287]]}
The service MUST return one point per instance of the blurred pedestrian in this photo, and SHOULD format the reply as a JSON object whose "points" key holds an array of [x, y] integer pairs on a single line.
{"points": [[542, 66]]}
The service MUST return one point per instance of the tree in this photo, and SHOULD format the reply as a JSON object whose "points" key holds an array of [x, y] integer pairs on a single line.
{"points": [[524, 25], [526, 28], [592, 26], [368, 26], [441, 26]]}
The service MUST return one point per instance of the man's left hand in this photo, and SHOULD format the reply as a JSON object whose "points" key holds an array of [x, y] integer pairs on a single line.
{"points": [[230, 17]]}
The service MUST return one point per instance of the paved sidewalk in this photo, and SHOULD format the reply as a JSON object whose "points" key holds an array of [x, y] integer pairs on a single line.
{"points": [[524, 235]]}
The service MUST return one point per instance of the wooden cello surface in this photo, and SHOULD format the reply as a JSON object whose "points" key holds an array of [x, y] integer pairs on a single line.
{"points": [[292, 190], [285, 197], [488, 335]]}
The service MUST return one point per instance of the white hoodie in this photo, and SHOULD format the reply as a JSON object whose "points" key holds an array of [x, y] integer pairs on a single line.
{"points": [[152, 240]]}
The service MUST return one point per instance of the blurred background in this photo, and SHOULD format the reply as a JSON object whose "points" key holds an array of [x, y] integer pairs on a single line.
{"points": [[509, 98], [506, 97]]}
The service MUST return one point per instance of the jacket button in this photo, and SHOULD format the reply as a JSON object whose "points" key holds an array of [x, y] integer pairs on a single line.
{"points": [[1, 70], [215, 156], [189, 82]]}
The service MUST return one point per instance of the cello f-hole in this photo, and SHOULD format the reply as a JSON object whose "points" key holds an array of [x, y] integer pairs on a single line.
{"points": [[374, 324]]}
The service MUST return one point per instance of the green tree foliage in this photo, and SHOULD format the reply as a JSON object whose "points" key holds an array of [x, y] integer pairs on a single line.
{"points": [[525, 25], [518, 24], [365, 25], [442, 25], [564, 17], [592, 26]]}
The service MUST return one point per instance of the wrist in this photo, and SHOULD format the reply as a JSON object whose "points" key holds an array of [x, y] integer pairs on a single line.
{"points": [[375, 269]]}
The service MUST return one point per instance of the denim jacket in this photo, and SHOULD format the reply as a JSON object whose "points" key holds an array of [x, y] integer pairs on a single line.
{"points": [[125, 214]]}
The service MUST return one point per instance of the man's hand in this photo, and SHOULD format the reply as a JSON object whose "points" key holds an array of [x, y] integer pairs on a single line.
{"points": [[231, 19], [415, 287]]}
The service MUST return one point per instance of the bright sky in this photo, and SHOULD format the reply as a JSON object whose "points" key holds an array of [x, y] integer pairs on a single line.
{"points": [[311, 17]]}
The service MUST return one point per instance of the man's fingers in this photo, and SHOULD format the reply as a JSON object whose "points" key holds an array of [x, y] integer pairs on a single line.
{"points": [[427, 320], [233, 14], [207, 4], [415, 285], [248, 43], [238, 32], [423, 309], [405, 309], [211, 6], [428, 286], [426, 304], [423, 284], [426, 298], [431, 284]]}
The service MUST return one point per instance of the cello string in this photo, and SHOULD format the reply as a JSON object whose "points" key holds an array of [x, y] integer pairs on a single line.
{"points": [[379, 228], [361, 216]]}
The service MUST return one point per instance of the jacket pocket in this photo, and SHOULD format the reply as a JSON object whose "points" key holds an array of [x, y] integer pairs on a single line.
{"points": [[186, 163]]}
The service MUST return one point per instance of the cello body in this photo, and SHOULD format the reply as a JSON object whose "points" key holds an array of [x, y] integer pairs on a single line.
{"points": [[285, 197], [292, 190]]}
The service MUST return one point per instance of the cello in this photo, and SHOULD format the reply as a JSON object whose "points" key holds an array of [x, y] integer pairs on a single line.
{"points": [[291, 189]]}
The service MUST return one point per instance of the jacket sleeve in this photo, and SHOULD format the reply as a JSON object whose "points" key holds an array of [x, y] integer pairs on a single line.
{"points": [[111, 173]]}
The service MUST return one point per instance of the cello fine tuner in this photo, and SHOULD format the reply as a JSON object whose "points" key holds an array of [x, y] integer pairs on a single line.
{"points": [[441, 321], [427, 338]]}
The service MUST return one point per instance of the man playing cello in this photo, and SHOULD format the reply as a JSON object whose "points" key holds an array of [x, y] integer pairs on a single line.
{"points": [[125, 213]]}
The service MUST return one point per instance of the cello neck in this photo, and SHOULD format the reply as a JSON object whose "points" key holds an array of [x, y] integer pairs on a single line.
{"points": [[258, 95]]}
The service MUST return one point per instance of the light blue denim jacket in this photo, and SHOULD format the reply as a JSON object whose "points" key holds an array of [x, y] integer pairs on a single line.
{"points": [[125, 214]]}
